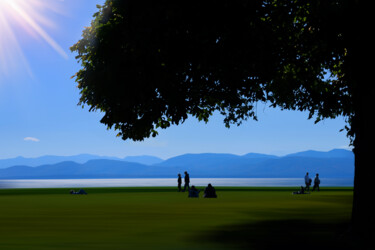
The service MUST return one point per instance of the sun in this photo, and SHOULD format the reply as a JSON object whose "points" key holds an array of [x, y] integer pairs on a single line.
{"points": [[29, 16]]}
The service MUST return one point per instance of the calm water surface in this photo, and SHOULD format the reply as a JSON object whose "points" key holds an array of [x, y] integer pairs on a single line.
{"points": [[149, 182]]}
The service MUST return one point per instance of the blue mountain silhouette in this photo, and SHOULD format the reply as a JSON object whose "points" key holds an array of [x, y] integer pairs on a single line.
{"points": [[336, 163]]}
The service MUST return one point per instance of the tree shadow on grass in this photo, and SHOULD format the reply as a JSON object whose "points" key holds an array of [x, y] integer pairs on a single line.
{"points": [[284, 234]]}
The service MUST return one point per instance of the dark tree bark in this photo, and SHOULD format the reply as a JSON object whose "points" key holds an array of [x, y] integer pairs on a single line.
{"points": [[363, 89]]}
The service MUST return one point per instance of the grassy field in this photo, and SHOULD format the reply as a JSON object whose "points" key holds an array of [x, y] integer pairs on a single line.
{"points": [[162, 218]]}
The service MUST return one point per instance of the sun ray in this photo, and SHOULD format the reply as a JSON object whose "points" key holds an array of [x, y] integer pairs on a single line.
{"points": [[39, 30], [28, 15], [11, 54]]}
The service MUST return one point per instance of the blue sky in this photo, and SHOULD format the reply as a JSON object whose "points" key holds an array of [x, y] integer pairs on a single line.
{"points": [[40, 116]]}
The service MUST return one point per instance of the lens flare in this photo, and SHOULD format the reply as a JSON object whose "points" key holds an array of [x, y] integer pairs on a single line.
{"points": [[26, 16]]}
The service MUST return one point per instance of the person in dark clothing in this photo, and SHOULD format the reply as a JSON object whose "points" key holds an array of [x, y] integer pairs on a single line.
{"points": [[187, 181], [307, 181], [193, 192], [209, 192], [81, 191], [301, 191], [179, 181], [316, 183]]}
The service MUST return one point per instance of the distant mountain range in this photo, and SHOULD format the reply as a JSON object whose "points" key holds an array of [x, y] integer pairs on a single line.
{"points": [[82, 158], [337, 163]]}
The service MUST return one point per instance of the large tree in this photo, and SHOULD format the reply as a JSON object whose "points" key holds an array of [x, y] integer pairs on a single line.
{"points": [[150, 64]]}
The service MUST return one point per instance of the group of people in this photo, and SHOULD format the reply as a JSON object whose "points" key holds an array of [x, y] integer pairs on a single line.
{"points": [[308, 182], [209, 191], [187, 182], [81, 191]]}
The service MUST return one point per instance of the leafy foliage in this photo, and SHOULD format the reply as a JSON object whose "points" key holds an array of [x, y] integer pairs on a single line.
{"points": [[150, 64]]}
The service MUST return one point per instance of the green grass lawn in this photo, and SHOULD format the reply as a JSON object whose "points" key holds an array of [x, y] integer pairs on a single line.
{"points": [[162, 218]]}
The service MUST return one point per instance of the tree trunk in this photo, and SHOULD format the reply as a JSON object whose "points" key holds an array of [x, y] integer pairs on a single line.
{"points": [[363, 213], [360, 60]]}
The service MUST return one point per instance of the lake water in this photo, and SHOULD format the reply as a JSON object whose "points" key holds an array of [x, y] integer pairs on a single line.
{"points": [[149, 182]]}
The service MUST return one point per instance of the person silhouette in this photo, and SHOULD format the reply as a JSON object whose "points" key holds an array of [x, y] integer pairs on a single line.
{"points": [[307, 181], [209, 192], [179, 181], [81, 191], [316, 183], [187, 181], [301, 191], [193, 192]]}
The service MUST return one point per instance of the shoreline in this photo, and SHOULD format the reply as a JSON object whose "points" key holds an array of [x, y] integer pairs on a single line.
{"points": [[169, 182], [98, 190]]}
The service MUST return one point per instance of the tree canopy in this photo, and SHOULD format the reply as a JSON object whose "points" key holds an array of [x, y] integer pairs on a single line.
{"points": [[150, 64]]}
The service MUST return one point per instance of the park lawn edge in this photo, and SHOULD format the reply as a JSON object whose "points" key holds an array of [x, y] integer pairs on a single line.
{"points": [[97, 190]]}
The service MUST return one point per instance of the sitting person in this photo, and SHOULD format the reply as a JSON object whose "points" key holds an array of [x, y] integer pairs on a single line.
{"points": [[301, 191], [193, 192], [209, 192], [81, 191]]}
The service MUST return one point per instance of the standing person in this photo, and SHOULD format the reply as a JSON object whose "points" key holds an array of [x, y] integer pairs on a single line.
{"points": [[307, 181], [316, 182], [187, 181], [179, 181]]}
